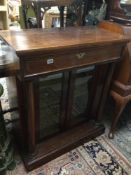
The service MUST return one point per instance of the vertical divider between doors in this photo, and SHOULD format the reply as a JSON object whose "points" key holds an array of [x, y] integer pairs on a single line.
{"points": [[63, 101], [68, 83], [70, 96]]}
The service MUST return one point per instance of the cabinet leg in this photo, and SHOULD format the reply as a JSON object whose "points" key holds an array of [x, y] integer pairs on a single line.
{"points": [[119, 107]]}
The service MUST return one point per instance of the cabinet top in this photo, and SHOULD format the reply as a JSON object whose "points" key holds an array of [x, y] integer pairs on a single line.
{"points": [[34, 40]]}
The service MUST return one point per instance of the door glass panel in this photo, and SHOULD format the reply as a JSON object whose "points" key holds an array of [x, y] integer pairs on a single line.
{"points": [[81, 95], [50, 95]]}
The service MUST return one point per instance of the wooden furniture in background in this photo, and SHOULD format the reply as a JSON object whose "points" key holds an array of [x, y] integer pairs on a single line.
{"points": [[65, 56], [121, 83], [117, 13], [52, 19], [37, 6], [3, 15]]}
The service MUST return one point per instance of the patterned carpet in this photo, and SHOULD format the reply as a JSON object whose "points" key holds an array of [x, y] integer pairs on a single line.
{"points": [[122, 140], [97, 157]]}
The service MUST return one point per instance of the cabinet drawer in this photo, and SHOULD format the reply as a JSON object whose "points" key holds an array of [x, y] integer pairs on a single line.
{"points": [[49, 63]]}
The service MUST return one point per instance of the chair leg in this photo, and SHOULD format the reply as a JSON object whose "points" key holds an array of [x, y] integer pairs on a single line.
{"points": [[120, 105]]}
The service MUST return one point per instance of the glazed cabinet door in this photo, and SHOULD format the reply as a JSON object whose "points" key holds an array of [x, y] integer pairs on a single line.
{"points": [[79, 95], [50, 90]]}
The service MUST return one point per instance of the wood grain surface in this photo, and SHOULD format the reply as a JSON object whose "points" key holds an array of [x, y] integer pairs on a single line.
{"points": [[42, 39]]}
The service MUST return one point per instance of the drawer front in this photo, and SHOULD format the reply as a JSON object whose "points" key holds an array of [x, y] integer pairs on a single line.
{"points": [[52, 63]]}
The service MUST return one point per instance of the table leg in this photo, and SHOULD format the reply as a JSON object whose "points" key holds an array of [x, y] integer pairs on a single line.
{"points": [[121, 102], [24, 12], [38, 14], [61, 9]]}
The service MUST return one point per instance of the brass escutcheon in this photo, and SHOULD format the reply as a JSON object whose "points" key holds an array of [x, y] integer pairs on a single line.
{"points": [[81, 55]]}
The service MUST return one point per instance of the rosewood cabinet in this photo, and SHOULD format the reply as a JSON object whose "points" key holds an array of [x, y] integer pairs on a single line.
{"points": [[62, 84]]}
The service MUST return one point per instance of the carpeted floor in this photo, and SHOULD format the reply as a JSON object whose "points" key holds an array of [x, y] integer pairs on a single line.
{"points": [[122, 140], [97, 157], [101, 156]]}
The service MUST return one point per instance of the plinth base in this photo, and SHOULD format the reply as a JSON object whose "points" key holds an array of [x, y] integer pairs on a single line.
{"points": [[62, 143]]}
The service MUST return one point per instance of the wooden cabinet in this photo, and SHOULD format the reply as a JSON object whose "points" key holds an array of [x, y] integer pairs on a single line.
{"points": [[63, 80], [3, 14]]}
